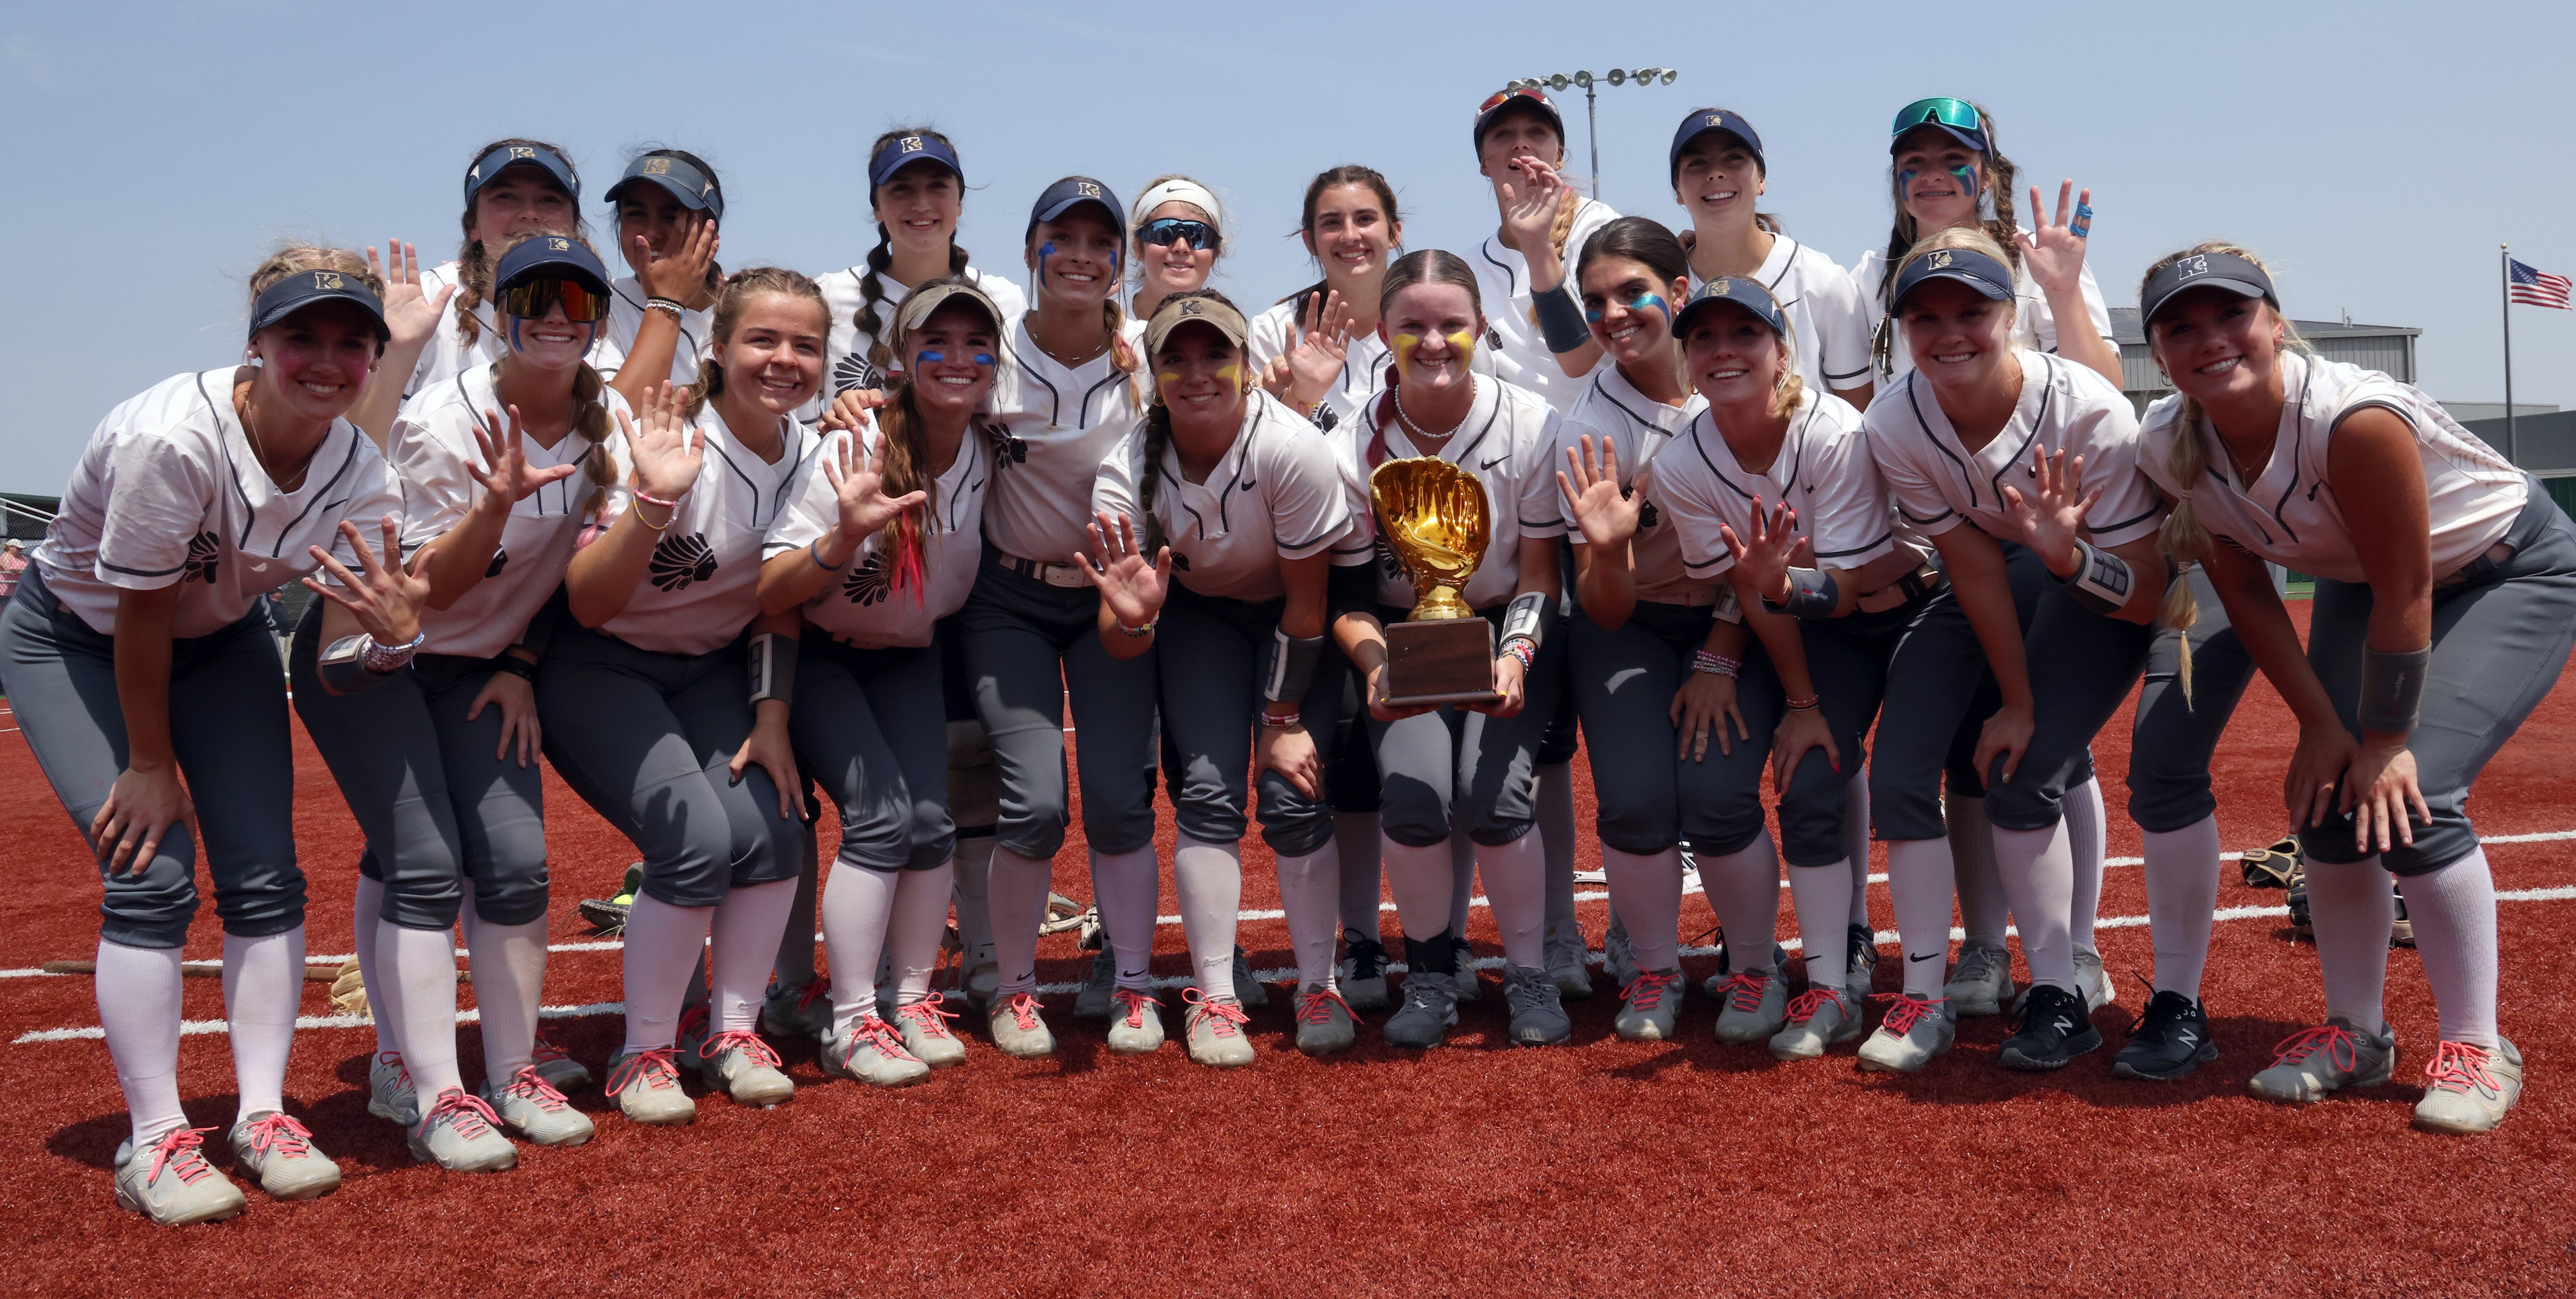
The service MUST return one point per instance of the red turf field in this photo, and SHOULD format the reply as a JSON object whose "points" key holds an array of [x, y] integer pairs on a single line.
{"points": [[1476, 1169]]}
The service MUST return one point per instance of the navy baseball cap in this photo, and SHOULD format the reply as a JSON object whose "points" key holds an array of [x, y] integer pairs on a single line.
{"points": [[1704, 120], [1503, 101], [503, 157], [1965, 265], [2205, 271], [904, 150], [550, 256], [305, 288], [1741, 290], [695, 189], [1072, 192]]}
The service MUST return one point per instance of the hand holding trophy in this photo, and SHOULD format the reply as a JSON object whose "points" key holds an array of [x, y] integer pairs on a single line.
{"points": [[1438, 523]]}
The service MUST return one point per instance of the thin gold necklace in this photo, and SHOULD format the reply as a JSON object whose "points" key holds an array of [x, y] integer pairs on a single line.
{"points": [[250, 434]]}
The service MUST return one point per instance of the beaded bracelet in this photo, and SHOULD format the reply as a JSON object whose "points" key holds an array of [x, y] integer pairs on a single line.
{"points": [[1802, 704], [1715, 663], [1522, 650], [1138, 633], [679, 310]]}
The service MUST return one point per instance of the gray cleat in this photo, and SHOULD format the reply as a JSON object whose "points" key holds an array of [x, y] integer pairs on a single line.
{"points": [[2469, 1090], [1757, 1006], [1567, 957], [1538, 1007], [1981, 983], [172, 1184], [1248, 990], [746, 1068], [1818, 1019], [2315, 1062], [1917, 1031], [924, 1025], [1430, 1009], [277, 1152], [1325, 1023], [1363, 972], [390, 1095], [1650, 1007]]}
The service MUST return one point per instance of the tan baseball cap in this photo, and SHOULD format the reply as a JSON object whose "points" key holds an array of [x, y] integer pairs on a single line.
{"points": [[1203, 308]]}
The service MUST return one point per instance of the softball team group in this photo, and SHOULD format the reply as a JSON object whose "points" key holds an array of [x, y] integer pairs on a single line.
{"points": [[723, 546]]}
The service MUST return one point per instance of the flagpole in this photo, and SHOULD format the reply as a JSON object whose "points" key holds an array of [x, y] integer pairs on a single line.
{"points": [[2505, 266]]}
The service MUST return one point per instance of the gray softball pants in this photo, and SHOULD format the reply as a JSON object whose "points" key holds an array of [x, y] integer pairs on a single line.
{"points": [[2174, 738], [1211, 650], [228, 731], [871, 728], [1484, 769]]}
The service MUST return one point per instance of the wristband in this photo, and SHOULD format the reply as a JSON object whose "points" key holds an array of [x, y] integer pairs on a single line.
{"points": [[679, 310], [772, 661], [1813, 593], [2392, 689], [1290, 667], [348, 666], [1715, 664], [1137, 633], [1801, 705], [1522, 650], [2102, 580], [385, 660], [1560, 319], [1526, 619], [814, 549], [1727, 609], [505, 661]]}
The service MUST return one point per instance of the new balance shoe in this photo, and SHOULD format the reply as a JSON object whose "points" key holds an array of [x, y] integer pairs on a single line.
{"points": [[1135, 1022], [2089, 975], [277, 1152], [462, 1135], [1018, 1029], [1566, 957], [2469, 1089], [1861, 961], [1429, 1011], [872, 1052], [1981, 983], [1248, 990], [1537, 1006], [1650, 1007], [646, 1087], [390, 1095], [537, 1109], [1096, 998], [1618, 955], [1916, 1031], [924, 1025], [743, 1066], [1462, 964], [172, 1184], [1213, 1028], [799, 1011], [1756, 1006], [1363, 972], [2172, 1039], [561, 1072], [2313, 1063], [1324, 1021], [2050, 1029], [1818, 1019]]}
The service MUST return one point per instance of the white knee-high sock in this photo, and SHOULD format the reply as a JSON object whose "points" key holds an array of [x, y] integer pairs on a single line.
{"points": [[1209, 879], [795, 964], [2088, 834], [1421, 880], [263, 990], [1310, 894], [2352, 908], [1983, 911], [2182, 891], [1016, 891], [1647, 890], [2038, 870], [972, 869], [1856, 841], [420, 996], [370, 905], [2454, 913], [1355, 843], [509, 971], [664, 944], [1919, 883], [1129, 886], [1462, 879], [1822, 897], [138, 1005], [913, 932], [858, 908], [1556, 839], [1744, 889], [1515, 876], [744, 934]]}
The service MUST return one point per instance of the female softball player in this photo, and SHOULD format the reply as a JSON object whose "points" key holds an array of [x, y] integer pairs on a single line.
{"points": [[1179, 233], [643, 700], [669, 205], [2003, 438], [880, 543], [1217, 522], [917, 190], [1031, 626], [138, 651], [1447, 769], [2435, 632], [439, 765]]}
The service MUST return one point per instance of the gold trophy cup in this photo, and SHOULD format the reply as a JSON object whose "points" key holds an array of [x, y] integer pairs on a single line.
{"points": [[1438, 524]]}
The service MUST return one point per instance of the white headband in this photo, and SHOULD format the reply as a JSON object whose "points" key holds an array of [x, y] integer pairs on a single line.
{"points": [[1185, 191]]}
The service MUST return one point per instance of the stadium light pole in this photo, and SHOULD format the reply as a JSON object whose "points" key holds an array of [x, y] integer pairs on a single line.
{"points": [[1591, 116]]}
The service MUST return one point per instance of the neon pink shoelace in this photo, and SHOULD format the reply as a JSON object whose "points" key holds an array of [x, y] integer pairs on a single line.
{"points": [[2342, 1045], [472, 1116], [759, 1051], [1648, 989], [1134, 1002], [1317, 1007], [929, 1016], [1024, 1011], [877, 1033], [527, 1083], [281, 1134], [1904, 1012], [658, 1068], [2459, 1067], [181, 1153], [1226, 1013], [1804, 1006]]}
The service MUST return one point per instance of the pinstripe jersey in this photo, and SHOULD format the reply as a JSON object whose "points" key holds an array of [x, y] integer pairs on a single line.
{"points": [[1613, 413], [1503, 443]]}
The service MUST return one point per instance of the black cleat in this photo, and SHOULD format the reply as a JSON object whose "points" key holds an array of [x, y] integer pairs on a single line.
{"points": [[2050, 1030], [2171, 1039]]}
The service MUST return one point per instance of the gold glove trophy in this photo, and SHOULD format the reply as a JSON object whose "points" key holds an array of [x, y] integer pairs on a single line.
{"points": [[1438, 524]]}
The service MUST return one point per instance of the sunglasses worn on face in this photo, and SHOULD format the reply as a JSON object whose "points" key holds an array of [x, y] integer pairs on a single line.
{"points": [[529, 299], [1943, 111], [1200, 234]]}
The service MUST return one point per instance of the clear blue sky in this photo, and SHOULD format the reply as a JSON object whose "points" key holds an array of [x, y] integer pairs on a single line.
{"points": [[2376, 154]]}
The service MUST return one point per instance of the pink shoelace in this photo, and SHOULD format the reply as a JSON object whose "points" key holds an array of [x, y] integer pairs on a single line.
{"points": [[751, 1044], [872, 1031], [1904, 1012], [1743, 990], [2460, 1067], [929, 1016], [472, 1116], [1023, 1009], [532, 1086], [820, 989], [2341, 1044], [546, 1052], [282, 1135], [1648, 989], [658, 1068], [181, 1152], [1317, 1007], [1135, 1003], [1226, 1013], [1804, 1006]]}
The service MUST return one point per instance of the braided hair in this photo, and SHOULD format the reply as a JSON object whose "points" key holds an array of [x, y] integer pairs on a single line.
{"points": [[590, 416], [474, 262], [1903, 235], [870, 320], [1158, 436]]}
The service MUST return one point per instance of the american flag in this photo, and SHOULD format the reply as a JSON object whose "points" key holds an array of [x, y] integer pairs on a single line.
{"points": [[2533, 287]]}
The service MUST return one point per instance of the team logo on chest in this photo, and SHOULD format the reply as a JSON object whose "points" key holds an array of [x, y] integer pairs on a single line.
{"points": [[853, 372], [1008, 449], [678, 561], [866, 583], [204, 557]]}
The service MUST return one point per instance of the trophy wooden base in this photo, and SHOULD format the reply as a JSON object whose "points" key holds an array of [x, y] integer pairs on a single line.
{"points": [[1449, 661]]}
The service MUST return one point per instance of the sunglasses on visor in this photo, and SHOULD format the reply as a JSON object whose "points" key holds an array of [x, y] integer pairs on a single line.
{"points": [[1958, 113], [1163, 231], [529, 300]]}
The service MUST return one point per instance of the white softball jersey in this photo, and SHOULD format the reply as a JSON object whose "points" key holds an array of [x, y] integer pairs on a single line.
{"points": [[846, 351], [1938, 483], [432, 446], [1823, 471], [2289, 514], [1052, 426], [446, 356], [1829, 321], [863, 605], [2034, 325], [1504, 443], [1276, 494], [169, 492], [1640, 429], [703, 584], [626, 316], [1364, 362], [1513, 345]]}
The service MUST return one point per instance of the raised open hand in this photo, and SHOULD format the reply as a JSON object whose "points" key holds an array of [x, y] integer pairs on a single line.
{"points": [[861, 491], [680, 274], [666, 449], [385, 596], [1323, 344], [1531, 192], [1606, 515], [410, 315], [2051, 519], [1132, 587], [1776, 548], [508, 480], [2054, 251]]}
